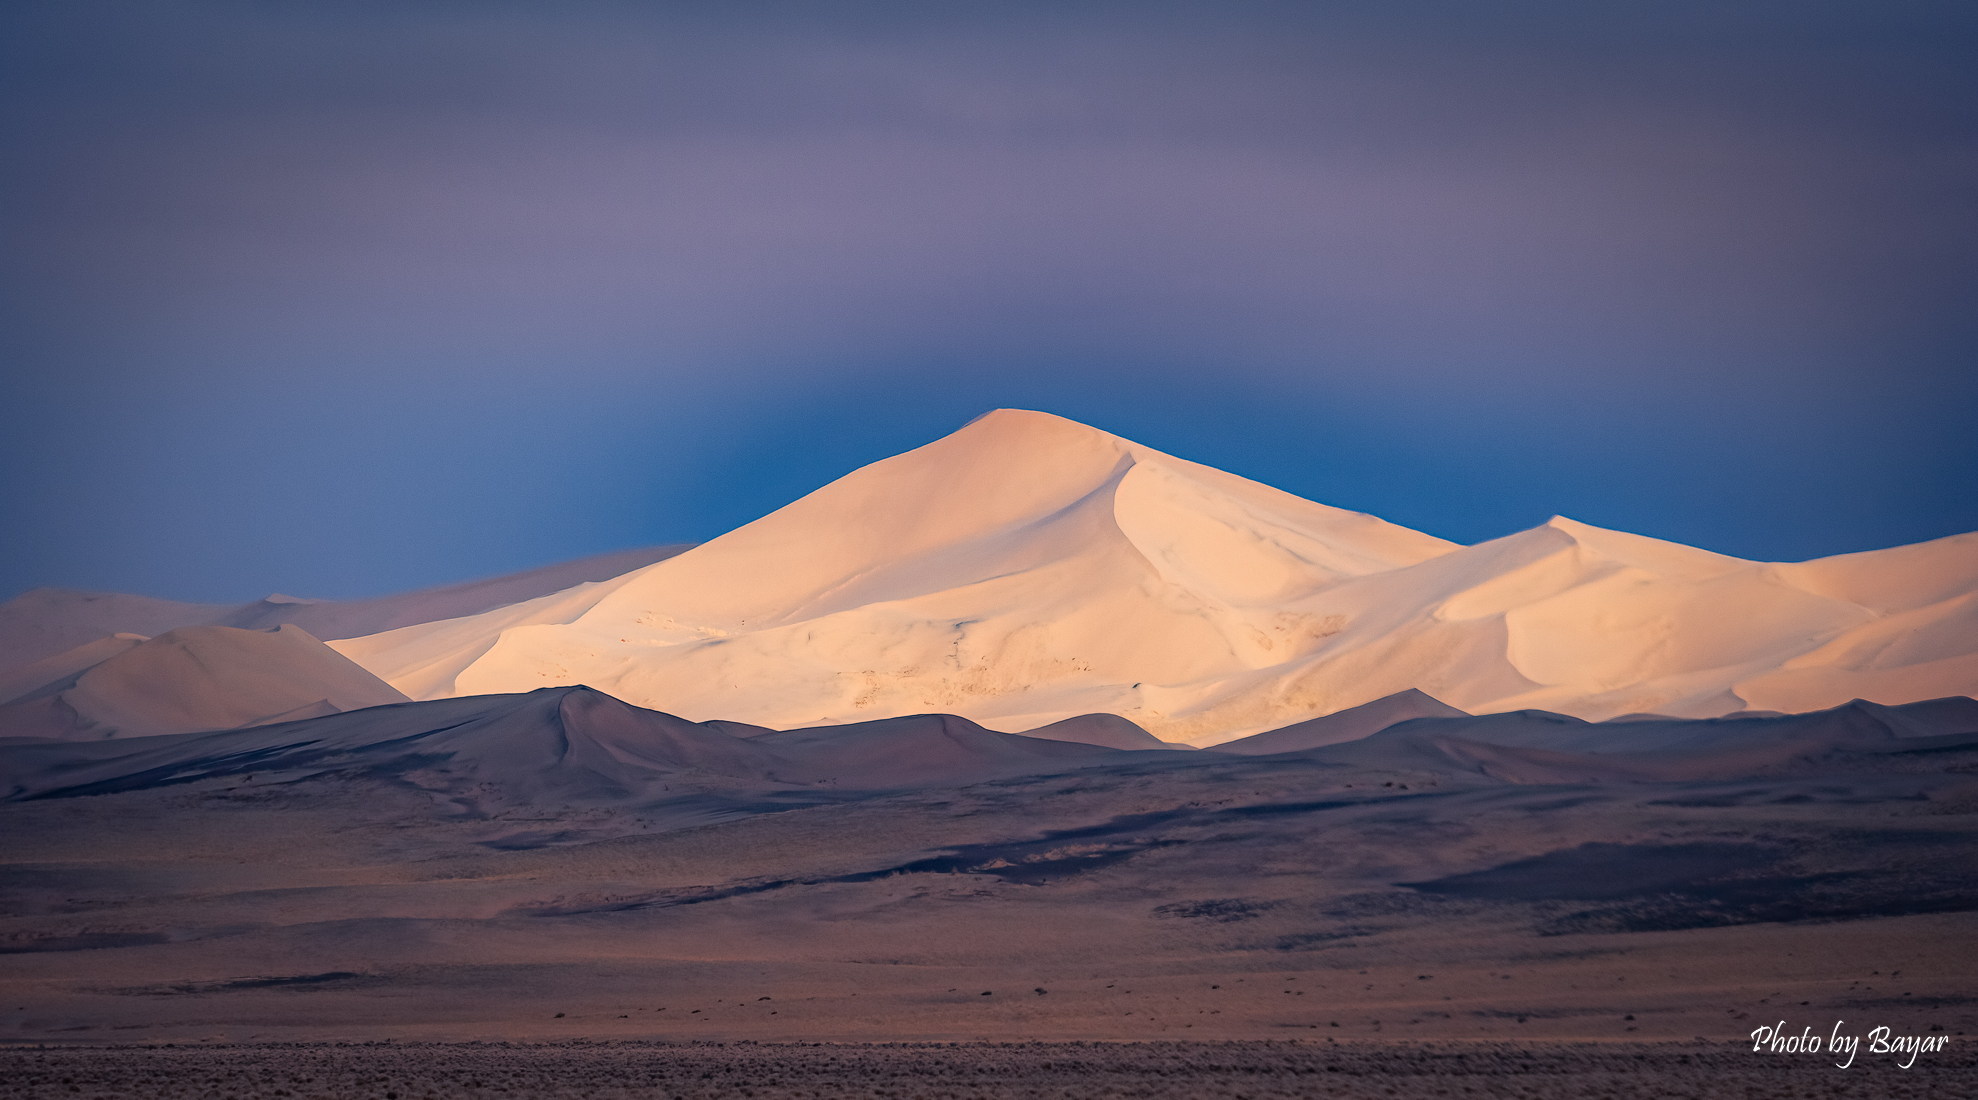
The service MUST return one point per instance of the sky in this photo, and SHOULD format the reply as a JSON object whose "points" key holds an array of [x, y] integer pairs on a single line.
{"points": [[340, 299]]}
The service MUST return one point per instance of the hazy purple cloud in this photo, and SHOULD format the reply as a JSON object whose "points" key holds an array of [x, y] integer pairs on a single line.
{"points": [[1459, 267]]}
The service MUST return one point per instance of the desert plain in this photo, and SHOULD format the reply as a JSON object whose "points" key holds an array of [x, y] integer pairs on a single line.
{"points": [[1376, 909]]}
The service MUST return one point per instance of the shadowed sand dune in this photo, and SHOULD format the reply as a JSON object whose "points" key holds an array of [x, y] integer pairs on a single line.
{"points": [[1109, 730], [923, 749], [580, 746], [577, 745], [1350, 724], [1539, 747], [569, 746]]}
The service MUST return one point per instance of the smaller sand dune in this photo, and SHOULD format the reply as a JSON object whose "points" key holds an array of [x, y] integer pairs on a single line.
{"points": [[45, 622], [58, 673], [1109, 730], [558, 745], [1540, 747], [561, 746], [352, 618], [189, 680], [922, 750], [1350, 724], [575, 746]]}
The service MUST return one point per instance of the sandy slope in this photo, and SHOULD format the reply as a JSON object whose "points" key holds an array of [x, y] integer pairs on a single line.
{"points": [[44, 622], [1027, 569], [55, 673], [570, 747], [1100, 729], [191, 679], [1542, 747], [47, 621], [1350, 724]]}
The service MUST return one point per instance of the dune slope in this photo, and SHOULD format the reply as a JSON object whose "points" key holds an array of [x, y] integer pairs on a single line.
{"points": [[1028, 569], [44, 622], [1350, 724], [192, 679]]}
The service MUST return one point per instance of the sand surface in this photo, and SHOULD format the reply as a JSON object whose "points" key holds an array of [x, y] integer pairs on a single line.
{"points": [[1028, 569], [44, 622], [192, 679], [1350, 724]]}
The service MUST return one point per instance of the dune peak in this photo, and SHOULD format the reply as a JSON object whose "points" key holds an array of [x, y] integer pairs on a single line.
{"points": [[1027, 569]]}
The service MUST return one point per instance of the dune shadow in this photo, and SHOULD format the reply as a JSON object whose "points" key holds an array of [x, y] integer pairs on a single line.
{"points": [[89, 941], [1673, 887]]}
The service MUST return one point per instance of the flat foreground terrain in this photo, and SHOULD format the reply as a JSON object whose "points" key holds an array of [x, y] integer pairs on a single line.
{"points": [[292, 917], [1180, 898], [988, 1071]]}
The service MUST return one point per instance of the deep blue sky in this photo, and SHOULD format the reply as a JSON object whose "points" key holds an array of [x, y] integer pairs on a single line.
{"points": [[346, 298]]}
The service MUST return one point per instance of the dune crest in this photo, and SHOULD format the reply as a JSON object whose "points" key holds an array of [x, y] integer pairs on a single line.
{"points": [[1027, 569], [1350, 724]]}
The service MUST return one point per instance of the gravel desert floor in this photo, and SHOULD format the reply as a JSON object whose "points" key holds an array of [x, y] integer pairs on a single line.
{"points": [[977, 1071], [1371, 919]]}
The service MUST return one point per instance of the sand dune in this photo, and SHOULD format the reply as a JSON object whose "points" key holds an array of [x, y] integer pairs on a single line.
{"points": [[797, 805], [1542, 747], [1109, 730], [44, 622], [489, 751], [47, 621], [579, 746], [191, 679], [1028, 569], [1350, 724], [923, 582], [352, 618], [58, 673], [566, 746], [923, 750]]}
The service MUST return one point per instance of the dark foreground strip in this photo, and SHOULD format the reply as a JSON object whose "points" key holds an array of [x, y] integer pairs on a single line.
{"points": [[982, 1071]]}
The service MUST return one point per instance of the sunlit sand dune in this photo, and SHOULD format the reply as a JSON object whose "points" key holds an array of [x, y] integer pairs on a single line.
{"points": [[1029, 569], [43, 622], [192, 679]]}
